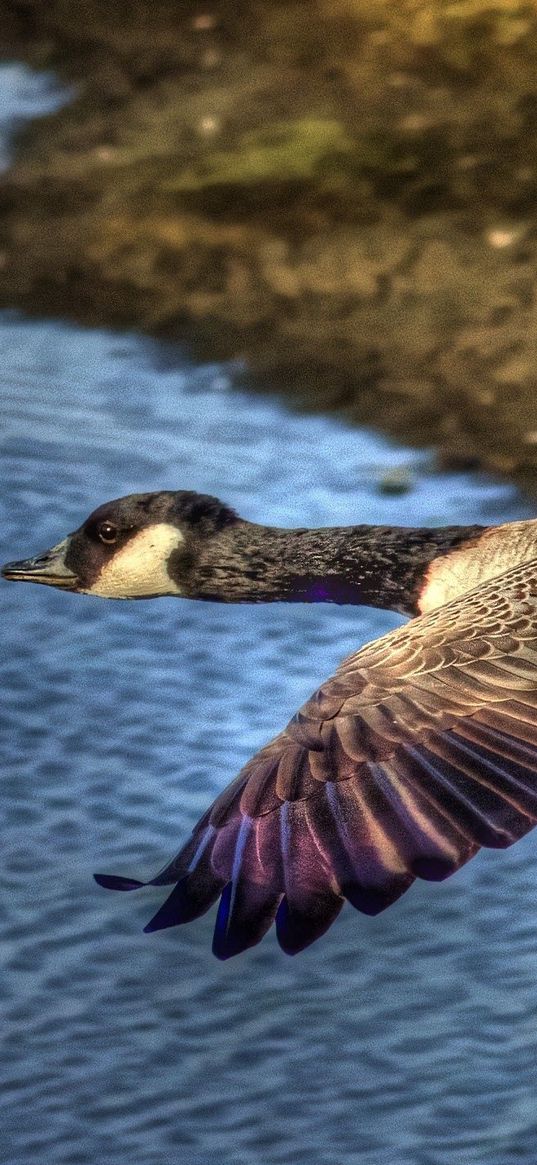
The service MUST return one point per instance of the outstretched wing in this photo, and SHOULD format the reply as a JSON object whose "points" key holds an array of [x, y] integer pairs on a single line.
{"points": [[420, 749]]}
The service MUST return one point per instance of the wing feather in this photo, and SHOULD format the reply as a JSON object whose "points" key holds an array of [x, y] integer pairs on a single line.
{"points": [[421, 749]]}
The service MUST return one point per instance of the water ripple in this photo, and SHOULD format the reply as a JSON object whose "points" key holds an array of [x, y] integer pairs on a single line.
{"points": [[410, 1038]]}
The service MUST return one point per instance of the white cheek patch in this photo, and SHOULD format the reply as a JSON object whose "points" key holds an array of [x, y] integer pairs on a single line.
{"points": [[140, 568]]}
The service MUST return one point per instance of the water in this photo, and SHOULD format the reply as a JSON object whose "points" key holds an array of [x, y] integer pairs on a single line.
{"points": [[23, 96], [409, 1039]]}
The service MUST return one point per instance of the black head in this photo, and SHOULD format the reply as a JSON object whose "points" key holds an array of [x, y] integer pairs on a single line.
{"points": [[134, 547]]}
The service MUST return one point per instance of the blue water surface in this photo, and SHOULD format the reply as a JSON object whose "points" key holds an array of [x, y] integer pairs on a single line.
{"points": [[408, 1039], [24, 95]]}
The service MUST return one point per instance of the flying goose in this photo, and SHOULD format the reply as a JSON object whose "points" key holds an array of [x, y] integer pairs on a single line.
{"points": [[419, 750]]}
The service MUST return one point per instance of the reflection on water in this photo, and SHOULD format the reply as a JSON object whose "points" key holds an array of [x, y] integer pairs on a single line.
{"points": [[410, 1038], [23, 96]]}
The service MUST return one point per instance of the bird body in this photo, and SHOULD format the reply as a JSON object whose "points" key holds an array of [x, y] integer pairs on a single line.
{"points": [[492, 552], [420, 749]]}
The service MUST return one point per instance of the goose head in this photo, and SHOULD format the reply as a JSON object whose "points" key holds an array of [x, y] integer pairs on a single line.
{"points": [[140, 546]]}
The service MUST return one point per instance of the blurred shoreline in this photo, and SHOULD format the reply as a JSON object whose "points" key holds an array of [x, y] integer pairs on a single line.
{"points": [[342, 195]]}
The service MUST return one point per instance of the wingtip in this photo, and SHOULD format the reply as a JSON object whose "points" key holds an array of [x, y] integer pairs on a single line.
{"points": [[223, 953], [297, 927], [117, 882], [151, 926], [226, 944]]}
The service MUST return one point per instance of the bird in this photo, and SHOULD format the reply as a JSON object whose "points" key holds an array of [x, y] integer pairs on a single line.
{"points": [[418, 751]]}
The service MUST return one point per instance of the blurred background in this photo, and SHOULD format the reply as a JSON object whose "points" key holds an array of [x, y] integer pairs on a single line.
{"points": [[284, 253]]}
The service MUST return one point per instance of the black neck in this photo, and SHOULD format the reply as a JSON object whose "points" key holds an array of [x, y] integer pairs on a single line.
{"points": [[376, 566]]}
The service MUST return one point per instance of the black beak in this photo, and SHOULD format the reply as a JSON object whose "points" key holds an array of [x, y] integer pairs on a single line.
{"points": [[48, 568]]}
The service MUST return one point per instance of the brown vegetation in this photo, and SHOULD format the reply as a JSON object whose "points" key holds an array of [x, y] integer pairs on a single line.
{"points": [[344, 191]]}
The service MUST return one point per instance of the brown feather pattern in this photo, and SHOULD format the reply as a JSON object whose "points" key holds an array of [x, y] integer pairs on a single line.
{"points": [[421, 749]]}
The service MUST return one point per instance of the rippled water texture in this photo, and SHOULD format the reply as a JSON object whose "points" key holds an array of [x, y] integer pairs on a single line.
{"points": [[408, 1039], [411, 1037]]}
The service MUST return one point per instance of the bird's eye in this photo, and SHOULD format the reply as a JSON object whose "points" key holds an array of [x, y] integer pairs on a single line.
{"points": [[107, 533]]}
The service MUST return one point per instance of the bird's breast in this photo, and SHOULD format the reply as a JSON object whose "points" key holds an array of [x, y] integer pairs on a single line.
{"points": [[496, 550]]}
